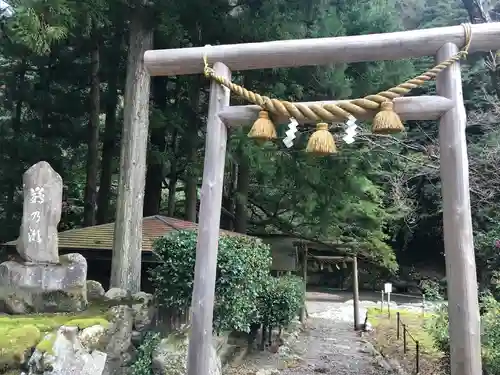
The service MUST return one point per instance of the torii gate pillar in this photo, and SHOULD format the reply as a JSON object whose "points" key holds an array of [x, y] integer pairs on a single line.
{"points": [[463, 308]]}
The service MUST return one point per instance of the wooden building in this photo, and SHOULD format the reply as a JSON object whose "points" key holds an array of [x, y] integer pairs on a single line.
{"points": [[96, 243], [326, 267]]}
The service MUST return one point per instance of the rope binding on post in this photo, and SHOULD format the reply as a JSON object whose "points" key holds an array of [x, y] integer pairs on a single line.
{"points": [[386, 121]]}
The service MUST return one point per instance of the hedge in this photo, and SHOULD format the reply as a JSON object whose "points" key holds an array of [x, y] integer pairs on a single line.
{"points": [[243, 263], [281, 300]]}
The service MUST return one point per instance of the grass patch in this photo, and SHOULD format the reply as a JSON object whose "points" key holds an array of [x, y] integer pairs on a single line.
{"points": [[48, 322], [14, 347], [384, 338]]}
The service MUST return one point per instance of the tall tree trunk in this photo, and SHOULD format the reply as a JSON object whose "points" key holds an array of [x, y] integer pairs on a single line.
{"points": [[191, 180], [44, 90], [495, 79], [109, 138], [476, 10], [90, 198], [156, 164], [172, 189], [228, 196], [16, 128], [242, 187], [108, 152], [172, 181], [127, 242], [191, 191]]}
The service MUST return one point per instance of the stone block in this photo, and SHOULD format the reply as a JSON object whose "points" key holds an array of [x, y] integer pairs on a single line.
{"points": [[66, 356], [36, 288], [170, 356], [42, 189]]}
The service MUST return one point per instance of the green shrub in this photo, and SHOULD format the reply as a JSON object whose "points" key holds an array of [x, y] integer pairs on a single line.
{"points": [[144, 361], [432, 290], [281, 300], [242, 265], [437, 326], [490, 336]]}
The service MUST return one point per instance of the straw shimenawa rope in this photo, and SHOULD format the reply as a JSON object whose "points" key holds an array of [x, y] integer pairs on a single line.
{"points": [[344, 109]]}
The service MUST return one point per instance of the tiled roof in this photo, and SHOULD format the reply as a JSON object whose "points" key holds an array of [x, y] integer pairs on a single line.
{"points": [[101, 236]]}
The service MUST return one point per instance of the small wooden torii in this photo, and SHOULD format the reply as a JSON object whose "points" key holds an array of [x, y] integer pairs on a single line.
{"points": [[304, 256], [447, 107]]}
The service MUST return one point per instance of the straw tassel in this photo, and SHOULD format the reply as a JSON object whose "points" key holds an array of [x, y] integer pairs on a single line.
{"points": [[321, 141], [263, 128], [387, 121]]}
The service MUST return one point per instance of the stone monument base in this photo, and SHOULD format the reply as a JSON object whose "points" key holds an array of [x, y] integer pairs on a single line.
{"points": [[37, 288]]}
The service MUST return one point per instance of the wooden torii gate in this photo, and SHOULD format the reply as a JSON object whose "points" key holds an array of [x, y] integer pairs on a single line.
{"points": [[447, 107]]}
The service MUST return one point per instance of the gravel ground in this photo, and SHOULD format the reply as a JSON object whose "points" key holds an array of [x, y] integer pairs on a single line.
{"points": [[329, 345], [332, 347]]}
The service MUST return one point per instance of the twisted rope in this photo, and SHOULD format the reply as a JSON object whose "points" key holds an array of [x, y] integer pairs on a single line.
{"points": [[344, 109]]}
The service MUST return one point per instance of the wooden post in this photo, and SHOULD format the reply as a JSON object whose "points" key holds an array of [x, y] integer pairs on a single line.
{"points": [[355, 292], [463, 309], [304, 276], [200, 339], [382, 302], [127, 240]]}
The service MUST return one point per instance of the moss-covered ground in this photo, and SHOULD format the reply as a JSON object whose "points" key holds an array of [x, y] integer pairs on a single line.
{"points": [[20, 333]]}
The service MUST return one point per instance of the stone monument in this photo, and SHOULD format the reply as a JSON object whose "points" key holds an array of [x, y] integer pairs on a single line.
{"points": [[43, 282]]}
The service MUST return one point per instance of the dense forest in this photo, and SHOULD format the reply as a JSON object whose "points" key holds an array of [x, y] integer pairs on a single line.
{"points": [[63, 67]]}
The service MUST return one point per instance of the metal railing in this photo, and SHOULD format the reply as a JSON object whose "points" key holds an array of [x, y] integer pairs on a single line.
{"points": [[402, 332]]}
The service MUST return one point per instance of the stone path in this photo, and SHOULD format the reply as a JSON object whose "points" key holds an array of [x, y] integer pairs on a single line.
{"points": [[329, 345], [332, 347]]}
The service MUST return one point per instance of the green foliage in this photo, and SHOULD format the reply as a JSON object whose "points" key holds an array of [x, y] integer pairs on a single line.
{"points": [[490, 332], [38, 25], [431, 290], [437, 326], [143, 362], [242, 265], [281, 300], [491, 335], [44, 111]]}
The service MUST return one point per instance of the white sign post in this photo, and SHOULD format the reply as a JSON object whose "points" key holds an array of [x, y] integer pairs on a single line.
{"points": [[388, 291]]}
